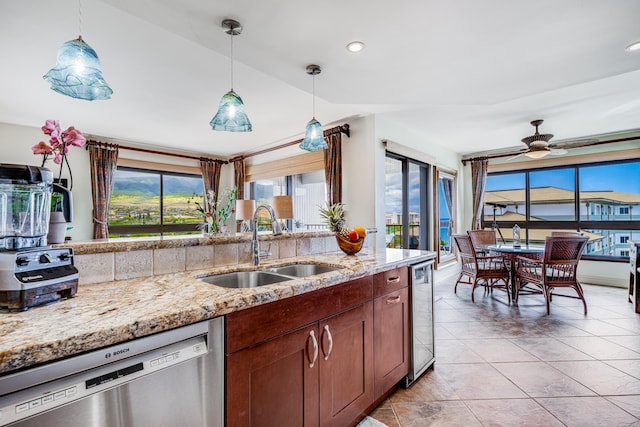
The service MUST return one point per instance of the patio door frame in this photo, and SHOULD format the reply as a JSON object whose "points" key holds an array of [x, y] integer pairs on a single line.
{"points": [[438, 173]]}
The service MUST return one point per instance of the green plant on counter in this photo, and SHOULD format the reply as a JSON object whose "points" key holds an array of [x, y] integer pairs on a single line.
{"points": [[334, 216]]}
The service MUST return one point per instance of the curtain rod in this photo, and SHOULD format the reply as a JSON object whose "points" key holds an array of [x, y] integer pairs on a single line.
{"points": [[145, 150], [338, 129], [497, 156]]}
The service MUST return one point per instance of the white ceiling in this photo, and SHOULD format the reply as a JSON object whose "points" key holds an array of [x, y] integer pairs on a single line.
{"points": [[467, 74]]}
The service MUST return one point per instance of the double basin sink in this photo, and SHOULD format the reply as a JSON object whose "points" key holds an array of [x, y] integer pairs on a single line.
{"points": [[269, 276]]}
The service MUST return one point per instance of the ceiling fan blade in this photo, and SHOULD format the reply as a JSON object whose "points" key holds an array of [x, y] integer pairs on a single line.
{"points": [[558, 151], [573, 144]]}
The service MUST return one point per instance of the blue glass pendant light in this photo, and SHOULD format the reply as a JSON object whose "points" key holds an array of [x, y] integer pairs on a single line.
{"points": [[231, 115], [77, 72], [313, 135]]}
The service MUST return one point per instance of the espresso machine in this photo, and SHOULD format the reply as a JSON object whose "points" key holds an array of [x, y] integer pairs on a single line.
{"points": [[31, 273]]}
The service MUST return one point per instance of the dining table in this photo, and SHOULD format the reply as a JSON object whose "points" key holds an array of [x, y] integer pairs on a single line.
{"points": [[510, 252]]}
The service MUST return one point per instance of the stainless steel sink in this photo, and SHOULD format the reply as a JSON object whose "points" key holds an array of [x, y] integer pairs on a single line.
{"points": [[245, 279], [255, 278], [303, 270]]}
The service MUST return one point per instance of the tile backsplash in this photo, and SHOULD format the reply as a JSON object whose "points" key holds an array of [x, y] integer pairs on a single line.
{"points": [[120, 259]]}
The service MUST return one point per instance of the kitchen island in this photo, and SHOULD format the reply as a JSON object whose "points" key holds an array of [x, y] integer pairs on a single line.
{"points": [[357, 310], [107, 313]]}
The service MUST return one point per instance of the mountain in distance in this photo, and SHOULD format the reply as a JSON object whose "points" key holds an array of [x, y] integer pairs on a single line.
{"points": [[150, 185]]}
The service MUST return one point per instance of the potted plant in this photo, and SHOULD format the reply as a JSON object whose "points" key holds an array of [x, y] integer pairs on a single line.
{"points": [[216, 213]]}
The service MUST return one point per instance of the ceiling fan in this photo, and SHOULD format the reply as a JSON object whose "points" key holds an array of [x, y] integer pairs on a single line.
{"points": [[538, 144]]}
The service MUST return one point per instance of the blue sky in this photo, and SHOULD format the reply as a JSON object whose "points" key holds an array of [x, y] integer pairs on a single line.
{"points": [[620, 177]]}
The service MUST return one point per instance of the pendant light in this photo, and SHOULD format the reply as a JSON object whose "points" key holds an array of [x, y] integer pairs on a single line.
{"points": [[313, 135], [231, 115], [77, 72]]}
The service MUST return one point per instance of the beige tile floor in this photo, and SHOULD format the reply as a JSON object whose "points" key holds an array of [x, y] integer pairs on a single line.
{"points": [[502, 365]]}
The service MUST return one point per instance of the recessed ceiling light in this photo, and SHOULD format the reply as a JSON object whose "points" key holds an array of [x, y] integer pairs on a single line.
{"points": [[355, 47], [633, 46]]}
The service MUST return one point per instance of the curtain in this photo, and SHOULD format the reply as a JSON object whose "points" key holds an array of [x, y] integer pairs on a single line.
{"points": [[447, 190], [333, 168], [239, 176], [103, 159], [478, 184], [211, 176]]}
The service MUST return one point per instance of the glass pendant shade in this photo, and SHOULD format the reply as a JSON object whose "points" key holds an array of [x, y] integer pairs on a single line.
{"points": [[313, 137], [231, 115], [77, 72]]}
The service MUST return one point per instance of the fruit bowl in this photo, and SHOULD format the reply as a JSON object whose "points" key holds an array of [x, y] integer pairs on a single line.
{"points": [[347, 246]]}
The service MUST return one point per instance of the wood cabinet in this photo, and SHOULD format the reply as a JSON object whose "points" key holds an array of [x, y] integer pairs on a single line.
{"points": [[320, 358], [304, 361], [392, 339]]}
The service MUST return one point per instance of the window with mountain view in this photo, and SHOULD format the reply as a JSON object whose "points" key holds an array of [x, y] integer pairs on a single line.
{"points": [[146, 203]]}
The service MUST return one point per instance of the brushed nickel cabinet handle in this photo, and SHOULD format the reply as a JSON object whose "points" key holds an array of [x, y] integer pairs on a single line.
{"points": [[393, 300], [330, 338], [315, 349], [393, 279]]}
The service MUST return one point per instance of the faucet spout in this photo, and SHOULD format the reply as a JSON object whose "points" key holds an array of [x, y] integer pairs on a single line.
{"points": [[275, 225]]}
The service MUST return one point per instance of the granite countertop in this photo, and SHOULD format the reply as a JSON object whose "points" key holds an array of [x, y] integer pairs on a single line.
{"points": [[108, 313]]}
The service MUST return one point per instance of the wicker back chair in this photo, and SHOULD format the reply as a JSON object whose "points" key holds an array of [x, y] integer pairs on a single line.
{"points": [[481, 238], [557, 268], [490, 271]]}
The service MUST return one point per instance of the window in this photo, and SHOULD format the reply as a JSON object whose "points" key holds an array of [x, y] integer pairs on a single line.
{"points": [[601, 200], [308, 191], [406, 198], [146, 203]]}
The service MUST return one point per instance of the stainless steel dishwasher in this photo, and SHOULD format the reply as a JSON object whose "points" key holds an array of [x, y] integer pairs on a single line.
{"points": [[173, 378], [422, 333]]}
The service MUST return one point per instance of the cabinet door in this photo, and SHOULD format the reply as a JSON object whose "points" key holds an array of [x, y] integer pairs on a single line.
{"points": [[275, 383], [346, 365], [392, 353]]}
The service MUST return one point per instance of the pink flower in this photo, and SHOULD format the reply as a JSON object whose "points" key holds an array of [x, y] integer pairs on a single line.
{"points": [[50, 127], [59, 142], [73, 136], [42, 148]]}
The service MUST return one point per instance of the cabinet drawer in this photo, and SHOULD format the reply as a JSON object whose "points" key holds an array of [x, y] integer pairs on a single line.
{"points": [[258, 324], [390, 281]]}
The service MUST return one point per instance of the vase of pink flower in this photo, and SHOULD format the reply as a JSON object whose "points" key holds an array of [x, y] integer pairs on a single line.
{"points": [[57, 148]]}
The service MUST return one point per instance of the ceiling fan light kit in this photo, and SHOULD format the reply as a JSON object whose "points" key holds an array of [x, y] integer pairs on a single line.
{"points": [[537, 144]]}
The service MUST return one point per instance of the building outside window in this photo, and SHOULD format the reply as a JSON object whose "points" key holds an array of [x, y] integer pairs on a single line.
{"points": [[600, 200]]}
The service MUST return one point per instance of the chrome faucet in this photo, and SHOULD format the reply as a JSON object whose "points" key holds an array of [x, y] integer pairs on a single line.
{"points": [[255, 245]]}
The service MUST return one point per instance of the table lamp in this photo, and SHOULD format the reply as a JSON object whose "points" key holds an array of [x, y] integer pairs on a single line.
{"points": [[244, 213], [283, 207]]}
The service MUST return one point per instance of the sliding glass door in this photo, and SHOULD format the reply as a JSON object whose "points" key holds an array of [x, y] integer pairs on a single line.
{"points": [[406, 202], [446, 214]]}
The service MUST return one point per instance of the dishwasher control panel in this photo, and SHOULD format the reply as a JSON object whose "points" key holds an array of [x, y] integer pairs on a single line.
{"points": [[26, 403]]}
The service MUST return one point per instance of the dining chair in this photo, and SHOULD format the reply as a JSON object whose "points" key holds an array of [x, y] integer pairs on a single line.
{"points": [[557, 268], [488, 270], [567, 233], [481, 238]]}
